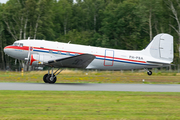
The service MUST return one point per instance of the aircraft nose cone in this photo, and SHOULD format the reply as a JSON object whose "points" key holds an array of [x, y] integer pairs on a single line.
{"points": [[7, 50]]}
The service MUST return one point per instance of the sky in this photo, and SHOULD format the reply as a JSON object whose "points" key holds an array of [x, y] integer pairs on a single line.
{"points": [[4, 1]]}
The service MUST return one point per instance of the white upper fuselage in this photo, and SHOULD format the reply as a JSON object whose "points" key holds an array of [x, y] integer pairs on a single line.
{"points": [[105, 58]]}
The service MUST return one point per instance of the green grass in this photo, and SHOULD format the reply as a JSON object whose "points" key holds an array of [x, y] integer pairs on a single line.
{"points": [[85, 105], [78, 76]]}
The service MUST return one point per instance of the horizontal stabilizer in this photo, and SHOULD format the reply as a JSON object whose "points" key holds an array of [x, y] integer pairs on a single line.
{"points": [[79, 61], [159, 63]]}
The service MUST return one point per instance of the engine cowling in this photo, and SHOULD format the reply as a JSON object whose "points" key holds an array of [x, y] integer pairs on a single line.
{"points": [[36, 60]]}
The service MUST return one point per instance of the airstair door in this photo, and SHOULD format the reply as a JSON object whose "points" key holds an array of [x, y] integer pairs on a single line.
{"points": [[109, 57]]}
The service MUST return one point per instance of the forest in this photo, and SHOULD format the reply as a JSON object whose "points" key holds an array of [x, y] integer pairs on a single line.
{"points": [[119, 24]]}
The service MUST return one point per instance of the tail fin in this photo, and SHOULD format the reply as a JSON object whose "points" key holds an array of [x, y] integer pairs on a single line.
{"points": [[161, 47]]}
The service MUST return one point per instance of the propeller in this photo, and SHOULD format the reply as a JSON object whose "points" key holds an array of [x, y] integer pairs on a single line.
{"points": [[28, 57], [15, 61]]}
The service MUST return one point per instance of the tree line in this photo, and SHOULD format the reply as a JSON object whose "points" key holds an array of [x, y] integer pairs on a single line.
{"points": [[120, 24]]}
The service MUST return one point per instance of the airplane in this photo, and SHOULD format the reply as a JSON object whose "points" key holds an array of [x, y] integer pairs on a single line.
{"points": [[159, 53]]}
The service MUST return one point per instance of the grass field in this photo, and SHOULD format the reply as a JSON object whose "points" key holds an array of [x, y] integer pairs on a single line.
{"points": [[86, 105], [78, 76], [65, 105]]}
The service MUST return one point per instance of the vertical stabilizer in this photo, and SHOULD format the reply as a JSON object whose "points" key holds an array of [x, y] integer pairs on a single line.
{"points": [[161, 47]]}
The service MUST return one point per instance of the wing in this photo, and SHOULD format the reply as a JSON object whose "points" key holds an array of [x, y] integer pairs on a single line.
{"points": [[79, 61]]}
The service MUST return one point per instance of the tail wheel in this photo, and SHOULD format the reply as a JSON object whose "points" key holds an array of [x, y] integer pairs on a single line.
{"points": [[149, 72]]}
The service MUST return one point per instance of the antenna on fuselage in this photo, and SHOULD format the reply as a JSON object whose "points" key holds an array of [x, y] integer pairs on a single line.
{"points": [[69, 42]]}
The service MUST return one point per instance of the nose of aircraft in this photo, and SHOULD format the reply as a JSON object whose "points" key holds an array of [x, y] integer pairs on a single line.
{"points": [[7, 50], [13, 52]]}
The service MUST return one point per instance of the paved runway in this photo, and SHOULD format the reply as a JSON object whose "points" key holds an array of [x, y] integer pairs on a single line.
{"points": [[91, 87]]}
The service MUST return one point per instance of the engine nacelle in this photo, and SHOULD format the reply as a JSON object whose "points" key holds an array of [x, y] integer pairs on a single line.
{"points": [[36, 60]]}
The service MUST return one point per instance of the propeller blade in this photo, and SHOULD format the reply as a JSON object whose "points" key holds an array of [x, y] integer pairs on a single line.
{"points": [[15, 61], [28, 57]]}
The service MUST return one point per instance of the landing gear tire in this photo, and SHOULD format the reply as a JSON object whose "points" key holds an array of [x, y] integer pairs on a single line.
{"points": [[51, 76], [45, 78], [51, 79], [149, 72]]}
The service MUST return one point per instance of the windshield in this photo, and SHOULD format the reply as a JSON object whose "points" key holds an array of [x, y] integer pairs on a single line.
{"points": [[16, 44]]}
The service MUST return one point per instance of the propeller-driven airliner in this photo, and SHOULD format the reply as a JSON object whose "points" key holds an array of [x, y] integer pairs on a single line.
{"points": [[159, 53]]}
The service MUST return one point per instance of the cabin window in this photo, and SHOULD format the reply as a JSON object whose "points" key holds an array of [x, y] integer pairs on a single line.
{"points": [[67, 53], [76, 54], [50, 51], [21, 44], [59, 52]]}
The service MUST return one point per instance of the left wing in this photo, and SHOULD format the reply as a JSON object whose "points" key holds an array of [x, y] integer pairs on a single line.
{"points": [[79, 61]]}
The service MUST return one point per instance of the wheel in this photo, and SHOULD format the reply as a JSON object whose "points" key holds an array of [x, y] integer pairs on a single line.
{"points": [[149, 72], [50, 79], [45, 78]]}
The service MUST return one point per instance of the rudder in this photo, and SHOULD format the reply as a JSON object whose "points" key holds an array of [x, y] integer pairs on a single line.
{"points": [[161, 47]]}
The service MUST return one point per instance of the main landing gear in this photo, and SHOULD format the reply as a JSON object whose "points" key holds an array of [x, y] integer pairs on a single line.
{"points": [[51, 77]]}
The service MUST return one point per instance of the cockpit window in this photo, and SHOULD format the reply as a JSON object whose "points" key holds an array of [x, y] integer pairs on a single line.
{"points": [[21, 44], [16, 44]]}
